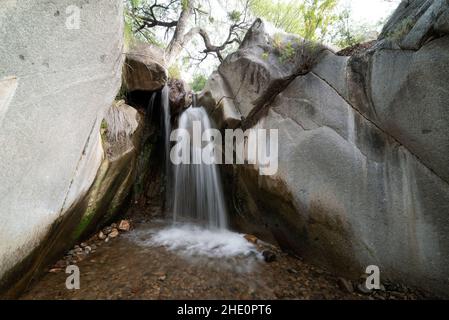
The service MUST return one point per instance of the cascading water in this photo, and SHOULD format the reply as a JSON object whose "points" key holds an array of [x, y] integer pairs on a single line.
{"points": [[194, 194], [198, 194], [167, 130]]}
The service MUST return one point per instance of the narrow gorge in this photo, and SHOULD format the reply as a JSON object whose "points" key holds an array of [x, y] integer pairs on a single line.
{"points": [[90, 125]]}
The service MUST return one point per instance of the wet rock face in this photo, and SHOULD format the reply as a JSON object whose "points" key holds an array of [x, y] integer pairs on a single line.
{"points": [[179, 96], [144, 68], [363, 148], [58, 86]]}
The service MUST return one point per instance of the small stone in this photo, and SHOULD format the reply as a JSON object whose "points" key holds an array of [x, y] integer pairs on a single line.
{"points": [[101, 235], [83, 244], [114, 233], [54, 270], [293, 271], [124, 225], [107, 230], [361, 287], [114, 225], [60, 264], [87, 249], [81, 256], [251, 238], [269, 256], [162, 278], [345, 285]]}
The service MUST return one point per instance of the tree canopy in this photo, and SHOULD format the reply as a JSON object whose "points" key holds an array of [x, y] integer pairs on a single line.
{"points": [[196, 32], [308, 18]]}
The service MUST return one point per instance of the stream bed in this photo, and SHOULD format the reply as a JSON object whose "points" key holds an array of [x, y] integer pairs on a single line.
{"points": [[158, 261]]}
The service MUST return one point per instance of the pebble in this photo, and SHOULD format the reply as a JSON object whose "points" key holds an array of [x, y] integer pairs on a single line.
{"points": [[361, 287], [101, 235], [114, 233], [124, 225], [345, 285], [251, 238], [293, 271], [269, 256]]}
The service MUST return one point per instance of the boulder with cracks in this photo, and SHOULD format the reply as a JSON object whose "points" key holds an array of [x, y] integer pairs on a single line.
{"points": [[363, 151]]}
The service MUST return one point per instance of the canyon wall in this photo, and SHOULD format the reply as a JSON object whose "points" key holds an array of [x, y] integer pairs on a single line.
{"points": [[363, 148]]}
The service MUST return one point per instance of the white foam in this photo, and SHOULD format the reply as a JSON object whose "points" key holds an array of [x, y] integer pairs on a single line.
{"points": [[196, 243]]}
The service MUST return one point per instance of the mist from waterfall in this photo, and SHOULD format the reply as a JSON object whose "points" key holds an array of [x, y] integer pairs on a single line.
{"points": [[198, 195]]}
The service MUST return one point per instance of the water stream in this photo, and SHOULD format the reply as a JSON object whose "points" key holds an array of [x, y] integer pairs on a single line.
{"points": [[195, 200], [198, 194]]}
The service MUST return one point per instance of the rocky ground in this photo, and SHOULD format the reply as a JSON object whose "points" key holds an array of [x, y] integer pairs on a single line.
{"points": [[112, 266]]}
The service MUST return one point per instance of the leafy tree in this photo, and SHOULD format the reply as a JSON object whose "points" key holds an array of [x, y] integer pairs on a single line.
{"points": [[198, 82], [174, 72], [185, 20], [347, 33], [308, 18]]}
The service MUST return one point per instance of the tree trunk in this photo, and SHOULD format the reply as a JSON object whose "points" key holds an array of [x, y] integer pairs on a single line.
{"points": [[177, 42]]}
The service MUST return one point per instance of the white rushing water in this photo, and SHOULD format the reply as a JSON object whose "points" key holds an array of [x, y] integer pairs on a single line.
{"points": [[166, 123], [194, 196], [197, 189], [219, 248]]}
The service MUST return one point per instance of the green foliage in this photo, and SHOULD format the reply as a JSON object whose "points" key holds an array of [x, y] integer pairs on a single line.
{"points": [[174, 72], [401, 30], [346, 33], [129, 35], [104, 125], [287, 53], [184, 4], [318, 17], [234, 16], [265, 56], [277, 40], [134, 3], [198, 83], [308, 18]]}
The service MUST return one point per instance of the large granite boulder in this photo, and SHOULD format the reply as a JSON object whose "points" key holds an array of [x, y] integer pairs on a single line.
{"points": [[179, 96], [363, 148], [144, 68], [121, 135], [57, 78]]}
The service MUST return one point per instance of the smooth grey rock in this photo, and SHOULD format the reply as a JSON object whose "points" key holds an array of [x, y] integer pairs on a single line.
{"points": [[363, 155], [265, 57], [415, 38], [409, 92], [50, 123], [442, 24], [332, 69], [413, 23], [219, 102]]}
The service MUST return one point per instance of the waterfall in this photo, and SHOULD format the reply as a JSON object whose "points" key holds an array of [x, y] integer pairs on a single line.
{"points": [[196, 200], [167, 130], [198, 194]]}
